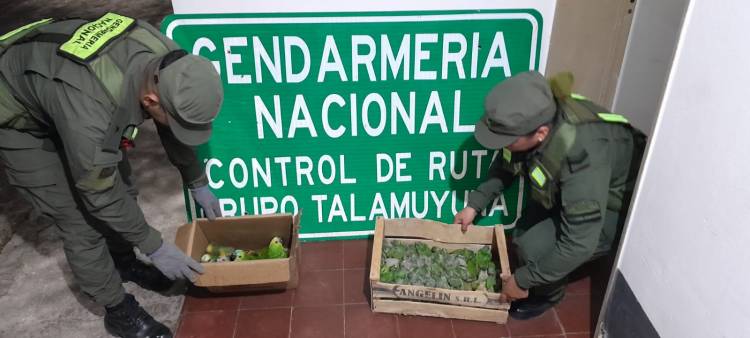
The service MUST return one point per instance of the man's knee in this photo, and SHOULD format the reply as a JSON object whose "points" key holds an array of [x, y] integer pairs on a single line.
{"points": [[531, 249], [50, 197]]}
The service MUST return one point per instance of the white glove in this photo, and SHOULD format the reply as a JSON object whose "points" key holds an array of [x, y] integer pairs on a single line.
{"points": [[207, 200]]}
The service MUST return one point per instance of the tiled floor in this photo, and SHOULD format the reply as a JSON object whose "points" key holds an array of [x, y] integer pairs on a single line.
{"points": [[331, 302]]}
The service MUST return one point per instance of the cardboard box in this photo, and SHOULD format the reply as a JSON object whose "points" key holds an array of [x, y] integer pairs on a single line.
{"points": [[437, 302], [245, 232]]}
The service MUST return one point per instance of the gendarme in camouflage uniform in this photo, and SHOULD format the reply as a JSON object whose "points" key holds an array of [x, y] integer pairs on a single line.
{"points": [[72, 95], [580, 162]]}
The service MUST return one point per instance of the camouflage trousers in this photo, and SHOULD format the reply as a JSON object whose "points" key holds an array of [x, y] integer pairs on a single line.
{"points": [[36, 168]]}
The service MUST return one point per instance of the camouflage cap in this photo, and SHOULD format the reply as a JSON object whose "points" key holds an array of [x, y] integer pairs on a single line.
{"points": [[191, 92], [514, 108]]}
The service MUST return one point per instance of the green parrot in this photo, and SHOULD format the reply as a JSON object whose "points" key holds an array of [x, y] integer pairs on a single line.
{"points": [[423, 249], [239, 255], [472, 268], [260, 254], [208, 258], [226, 251], [484, 258], [276, 249], [386, 274], [212, 249], [490, 284]]}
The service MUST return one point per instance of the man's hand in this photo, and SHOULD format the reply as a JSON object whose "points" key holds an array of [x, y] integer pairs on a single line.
{"points": [[175, 264], [207, 200], [511, 290], [465, 217]]}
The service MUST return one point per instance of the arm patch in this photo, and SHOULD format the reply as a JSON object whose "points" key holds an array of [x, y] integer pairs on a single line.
{"points": [[582, 212]]}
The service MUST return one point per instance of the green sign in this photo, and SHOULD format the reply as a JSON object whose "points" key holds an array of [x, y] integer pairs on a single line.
{"points": [[351, 116]]}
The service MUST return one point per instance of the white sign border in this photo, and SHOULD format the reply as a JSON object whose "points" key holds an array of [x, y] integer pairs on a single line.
{"points": [[358, 19], [371, 19]]}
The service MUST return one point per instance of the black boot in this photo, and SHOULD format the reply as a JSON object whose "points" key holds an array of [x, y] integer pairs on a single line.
{"points": [[146, 276], [528, 308], [130, 320]]}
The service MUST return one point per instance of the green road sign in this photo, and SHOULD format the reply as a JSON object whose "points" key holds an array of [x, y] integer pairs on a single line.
{"points": [[351, 116]]}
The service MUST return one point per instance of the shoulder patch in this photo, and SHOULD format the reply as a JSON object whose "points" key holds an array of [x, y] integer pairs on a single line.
{"points": [[538, 176], [88, 39]]}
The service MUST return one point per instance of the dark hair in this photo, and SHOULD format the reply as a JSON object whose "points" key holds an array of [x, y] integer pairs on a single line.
{"points": [[167, 60], [171, 57]]}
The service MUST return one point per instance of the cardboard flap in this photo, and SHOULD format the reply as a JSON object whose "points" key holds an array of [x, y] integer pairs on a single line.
{"points": [[248, 232], [183, 237], [242, 273], [296, 220], [295, 231], [437, 231]]}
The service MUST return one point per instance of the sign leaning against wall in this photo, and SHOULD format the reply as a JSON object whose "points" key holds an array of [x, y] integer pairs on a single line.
{"points": [[351, 116]]}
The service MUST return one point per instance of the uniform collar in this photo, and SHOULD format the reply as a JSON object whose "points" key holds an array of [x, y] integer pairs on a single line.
{"points": [[135, 77]]}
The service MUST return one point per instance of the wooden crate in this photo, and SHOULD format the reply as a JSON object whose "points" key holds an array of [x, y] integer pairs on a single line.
{"points": [[438, 302]]}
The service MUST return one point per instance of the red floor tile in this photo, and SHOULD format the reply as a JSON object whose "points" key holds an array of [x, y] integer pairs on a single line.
{"points": [[575, 313], [418, 326], [361, 322], [210, 302], [357, 253], [543, 336], [356, 286], [579, 335], [266, 323], [476, 329], [318, 322], [209, 324], [267, 300], [318, 288], [545, 324], [581, 286], [327, 255]]}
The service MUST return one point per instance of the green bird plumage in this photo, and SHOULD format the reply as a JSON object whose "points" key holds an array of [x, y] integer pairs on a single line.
{"points": [[276, 249], [219, 253], [420, 264]]}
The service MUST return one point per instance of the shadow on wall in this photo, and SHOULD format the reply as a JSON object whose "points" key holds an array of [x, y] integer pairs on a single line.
{"points": [[19, 13]]}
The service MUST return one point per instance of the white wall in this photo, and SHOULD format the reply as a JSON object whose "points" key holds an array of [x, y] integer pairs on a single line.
{"points": [[685, 253], [648, 57]]}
